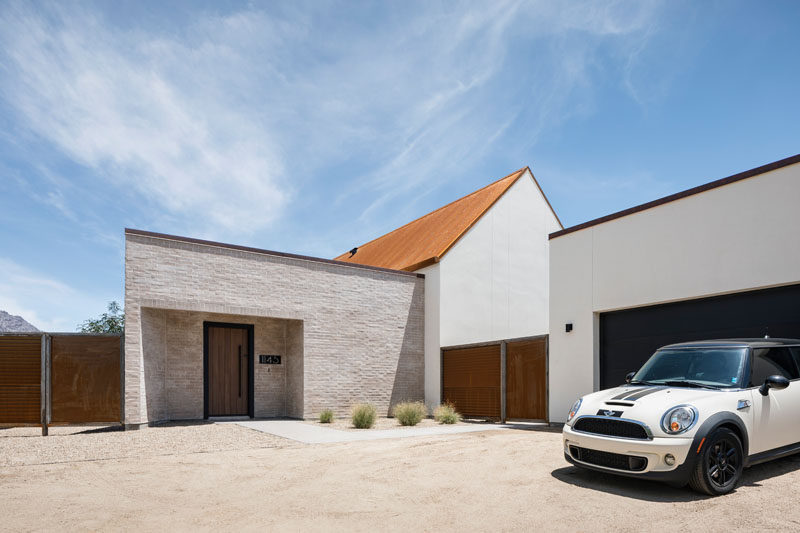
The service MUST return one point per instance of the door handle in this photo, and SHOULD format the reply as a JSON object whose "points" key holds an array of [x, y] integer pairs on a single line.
{"points": [[240, 371]]}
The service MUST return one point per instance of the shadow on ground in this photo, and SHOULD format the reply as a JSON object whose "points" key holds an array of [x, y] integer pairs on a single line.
{"points": [[654, 491]]}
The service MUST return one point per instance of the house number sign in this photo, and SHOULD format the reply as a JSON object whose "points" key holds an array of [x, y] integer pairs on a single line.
{"points": [[269, 359]]}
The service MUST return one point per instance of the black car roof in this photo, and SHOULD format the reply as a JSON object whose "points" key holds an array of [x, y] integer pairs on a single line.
{"points": [[750, 342]]}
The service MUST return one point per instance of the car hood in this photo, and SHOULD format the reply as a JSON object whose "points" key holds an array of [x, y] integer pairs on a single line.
{"points": [[647, 404]]}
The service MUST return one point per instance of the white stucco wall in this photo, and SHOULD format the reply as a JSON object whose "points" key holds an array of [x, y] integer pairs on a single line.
{"points": [[493, 283], [740, 236]]}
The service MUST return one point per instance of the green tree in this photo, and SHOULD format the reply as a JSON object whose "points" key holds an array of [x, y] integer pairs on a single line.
{"points": [[111, 322]]}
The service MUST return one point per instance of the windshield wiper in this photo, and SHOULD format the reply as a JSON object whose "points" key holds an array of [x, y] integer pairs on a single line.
{"points": [[642, 382], [685, 383]]}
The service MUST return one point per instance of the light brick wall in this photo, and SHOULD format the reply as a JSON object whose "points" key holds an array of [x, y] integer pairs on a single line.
{"points": [[347, 334]]}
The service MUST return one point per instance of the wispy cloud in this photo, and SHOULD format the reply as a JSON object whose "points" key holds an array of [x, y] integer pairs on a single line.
{"points": [[47, 303], [214, 124], [122, 104]]}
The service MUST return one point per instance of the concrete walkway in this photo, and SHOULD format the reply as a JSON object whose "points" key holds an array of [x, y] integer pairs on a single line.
{"points": [[313, 434]]}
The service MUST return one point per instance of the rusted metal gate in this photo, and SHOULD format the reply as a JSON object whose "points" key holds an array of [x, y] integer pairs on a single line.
{"points": [[471, 380], [20, 379], [85, 379], [61, 379]]}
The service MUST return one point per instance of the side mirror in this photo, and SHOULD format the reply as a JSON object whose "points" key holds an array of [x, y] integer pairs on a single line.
{"points": [[773, 382], [629, 377]]}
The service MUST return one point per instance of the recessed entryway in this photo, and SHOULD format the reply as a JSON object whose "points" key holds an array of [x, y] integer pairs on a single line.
{"points": [[228, 369]]}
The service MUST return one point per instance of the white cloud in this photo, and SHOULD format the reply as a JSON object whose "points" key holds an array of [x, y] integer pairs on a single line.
{"points": [[47, 303], [111, 101], [216, 123]]}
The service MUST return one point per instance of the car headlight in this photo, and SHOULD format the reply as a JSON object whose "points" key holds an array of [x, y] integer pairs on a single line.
{"points": [[574, 410], [679, 419]]}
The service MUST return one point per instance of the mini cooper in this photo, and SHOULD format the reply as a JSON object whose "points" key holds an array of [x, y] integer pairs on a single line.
{"points": [[696, 413]]}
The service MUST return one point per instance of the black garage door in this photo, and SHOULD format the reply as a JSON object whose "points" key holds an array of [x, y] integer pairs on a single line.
{"points": [[629, 337]]}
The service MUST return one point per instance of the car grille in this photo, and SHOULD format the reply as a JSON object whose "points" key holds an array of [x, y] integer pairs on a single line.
{"points": [[617, 461], [611, 428]]}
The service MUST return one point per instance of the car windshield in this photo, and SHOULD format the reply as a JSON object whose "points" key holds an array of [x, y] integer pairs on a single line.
{"points": [[694, 367]]}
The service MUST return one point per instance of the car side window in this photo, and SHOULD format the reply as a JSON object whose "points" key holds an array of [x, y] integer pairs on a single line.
{"points": [[796, 354], [771, 361]]}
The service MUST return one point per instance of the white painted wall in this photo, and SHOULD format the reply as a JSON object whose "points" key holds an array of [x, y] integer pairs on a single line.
{"points": [[493, 283], [433, 375], [742, 236]]}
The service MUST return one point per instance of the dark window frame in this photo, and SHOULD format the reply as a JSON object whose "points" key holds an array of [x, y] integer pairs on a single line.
{"points": [[794, 350]]}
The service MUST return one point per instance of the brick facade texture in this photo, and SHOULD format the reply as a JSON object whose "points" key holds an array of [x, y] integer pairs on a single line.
{"points": [[346, 334]]}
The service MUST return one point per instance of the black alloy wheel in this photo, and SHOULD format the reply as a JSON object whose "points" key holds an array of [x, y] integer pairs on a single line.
{"points": [[723, 463], [720, 464]]}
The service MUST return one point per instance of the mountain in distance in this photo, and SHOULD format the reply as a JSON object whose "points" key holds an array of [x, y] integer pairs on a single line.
{"points": [[15, 324]]}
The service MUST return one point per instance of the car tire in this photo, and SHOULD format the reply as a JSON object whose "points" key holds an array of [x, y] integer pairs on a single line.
{"points": [[720, 464]]}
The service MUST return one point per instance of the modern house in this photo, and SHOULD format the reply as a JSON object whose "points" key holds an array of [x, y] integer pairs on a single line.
{"points": [[213, 329], [486, 267], [716, 261]]}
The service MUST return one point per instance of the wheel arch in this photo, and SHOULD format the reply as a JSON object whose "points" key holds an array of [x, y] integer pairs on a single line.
{"points": [[727, 420]]}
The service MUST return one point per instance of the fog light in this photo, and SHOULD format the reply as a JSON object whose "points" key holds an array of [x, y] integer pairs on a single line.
{"points": [[669, 459]]}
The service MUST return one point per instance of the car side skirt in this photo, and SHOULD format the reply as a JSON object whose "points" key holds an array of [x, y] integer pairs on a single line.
{"points": [[769, 455]]}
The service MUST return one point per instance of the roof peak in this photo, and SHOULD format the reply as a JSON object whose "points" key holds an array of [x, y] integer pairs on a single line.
{"points": [[424, 240], [495, 182]]}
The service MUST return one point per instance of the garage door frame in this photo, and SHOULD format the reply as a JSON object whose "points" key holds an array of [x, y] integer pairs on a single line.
{"points": [[503, 344]]}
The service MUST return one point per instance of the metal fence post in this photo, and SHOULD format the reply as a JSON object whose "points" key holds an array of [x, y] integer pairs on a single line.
{"points": [[49, 377], [45, 382]]}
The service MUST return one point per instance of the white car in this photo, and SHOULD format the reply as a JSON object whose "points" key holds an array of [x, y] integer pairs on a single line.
{"points": [[696, 413]]}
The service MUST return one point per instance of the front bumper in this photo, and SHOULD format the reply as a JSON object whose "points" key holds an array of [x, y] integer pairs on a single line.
{"points": [[653, 450]]}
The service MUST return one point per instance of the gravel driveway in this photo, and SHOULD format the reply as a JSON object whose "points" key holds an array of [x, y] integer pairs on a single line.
{"points": [[488, 481], [26, 446]]}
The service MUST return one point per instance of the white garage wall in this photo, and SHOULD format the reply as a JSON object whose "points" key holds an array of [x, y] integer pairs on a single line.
{"points": [[740, 236]]}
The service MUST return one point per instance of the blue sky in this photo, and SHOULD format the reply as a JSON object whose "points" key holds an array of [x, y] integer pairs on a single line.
{"points": [[314, 127]]}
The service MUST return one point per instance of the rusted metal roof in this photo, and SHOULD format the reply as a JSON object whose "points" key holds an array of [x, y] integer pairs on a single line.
{"points": [[425, 240]]}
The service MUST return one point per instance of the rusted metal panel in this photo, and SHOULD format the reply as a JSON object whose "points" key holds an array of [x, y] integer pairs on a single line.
{"points": [[20, 379], [85, 379], [471, 380], [526, 379], [426, 239]]}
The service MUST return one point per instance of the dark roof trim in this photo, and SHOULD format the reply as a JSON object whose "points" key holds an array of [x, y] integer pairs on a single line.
{"points": [[130, 231], [683, 194]]}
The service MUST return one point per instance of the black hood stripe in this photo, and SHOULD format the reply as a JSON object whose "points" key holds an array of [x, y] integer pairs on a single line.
{"points": [[644, 393], [627, 392]]}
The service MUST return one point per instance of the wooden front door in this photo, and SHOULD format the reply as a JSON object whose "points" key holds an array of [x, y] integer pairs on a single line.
{"points": [[526, 380], [228, 370]]}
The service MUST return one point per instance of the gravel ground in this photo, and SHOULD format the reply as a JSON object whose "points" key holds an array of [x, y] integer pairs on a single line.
{"points": [[380, 423], [26, 446], [509, 480]]}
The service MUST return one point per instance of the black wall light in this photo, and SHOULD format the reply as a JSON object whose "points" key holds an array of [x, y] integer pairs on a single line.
{"points": [[568, 327]]}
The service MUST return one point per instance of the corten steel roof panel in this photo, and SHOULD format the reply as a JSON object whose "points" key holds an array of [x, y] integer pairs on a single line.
{"points": [[425, 240]]}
